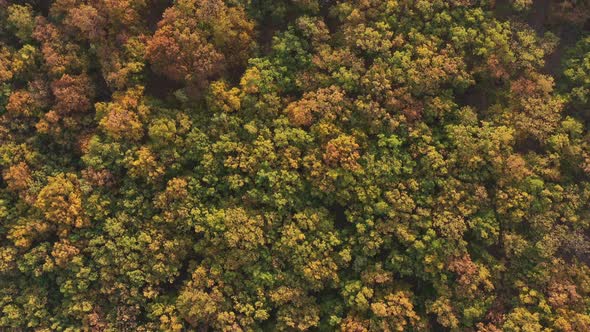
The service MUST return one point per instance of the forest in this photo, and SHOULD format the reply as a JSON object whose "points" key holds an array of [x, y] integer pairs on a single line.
{"points": [[295, 165]]}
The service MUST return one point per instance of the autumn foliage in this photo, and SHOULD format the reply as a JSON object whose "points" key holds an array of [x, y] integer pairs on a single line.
{"points": [[295, 165]]}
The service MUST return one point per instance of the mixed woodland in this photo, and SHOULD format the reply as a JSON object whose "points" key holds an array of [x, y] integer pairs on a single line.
{"points": [[295, 165]]}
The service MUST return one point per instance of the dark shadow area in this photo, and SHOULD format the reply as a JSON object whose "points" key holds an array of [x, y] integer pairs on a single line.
{"points": [[102, 90], [538, 15], [475, 96], [339, 213], [160, 86], [527, 145], [156, 9]]}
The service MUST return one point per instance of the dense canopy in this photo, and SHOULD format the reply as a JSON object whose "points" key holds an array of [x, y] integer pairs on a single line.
{"points": [[295, 165]]}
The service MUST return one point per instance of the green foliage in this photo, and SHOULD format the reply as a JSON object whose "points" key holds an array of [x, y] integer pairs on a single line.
{"points": [[21, 21], [577, 68]]}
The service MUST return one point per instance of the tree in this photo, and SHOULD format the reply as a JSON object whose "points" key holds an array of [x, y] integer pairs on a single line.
{"points": [[20, 20], [61, 202], [122, 118], [197, 39]]}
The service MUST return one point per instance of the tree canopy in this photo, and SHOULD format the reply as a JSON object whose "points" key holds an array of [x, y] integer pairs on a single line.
{"points": [[295, 165]]}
